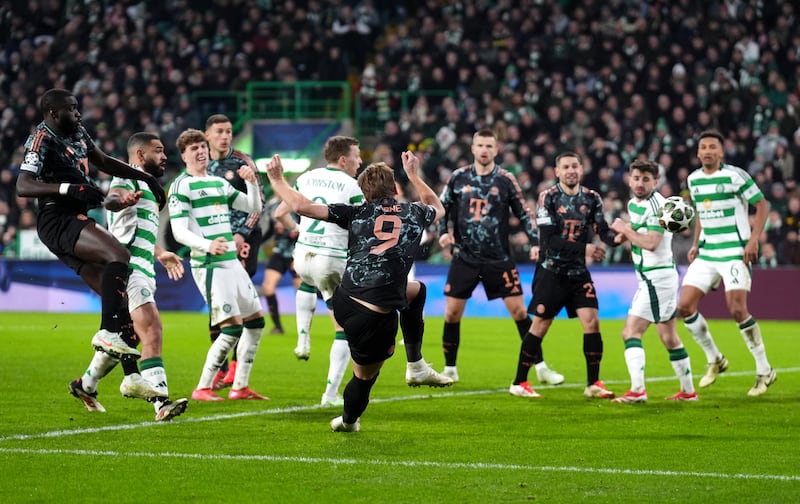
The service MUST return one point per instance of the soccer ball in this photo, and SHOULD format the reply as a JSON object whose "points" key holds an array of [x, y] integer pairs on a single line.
{"points": [[675, 215]]}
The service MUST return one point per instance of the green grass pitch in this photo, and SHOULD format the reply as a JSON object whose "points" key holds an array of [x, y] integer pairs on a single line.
{"points": [[470, 443]]}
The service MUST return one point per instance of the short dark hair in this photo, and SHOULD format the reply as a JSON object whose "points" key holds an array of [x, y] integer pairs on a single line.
{"points": [[217, 119], [712, 133], [141, 138], [338, 146], [54, 99], [645, 166], [569, 154], [485, 132]]}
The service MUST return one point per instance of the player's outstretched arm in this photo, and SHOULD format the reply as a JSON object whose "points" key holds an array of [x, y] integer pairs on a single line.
{"points": [[296, 201], [29, 187], [426, 194], [114, 166]]}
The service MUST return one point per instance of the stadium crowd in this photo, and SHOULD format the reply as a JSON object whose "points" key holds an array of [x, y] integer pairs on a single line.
{"points": [[611, 80]]}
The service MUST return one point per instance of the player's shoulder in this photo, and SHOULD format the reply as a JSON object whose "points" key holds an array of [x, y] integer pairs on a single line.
{"points": [[242, 157], [461, 171], [549, 193], [590, 193], [654, 202], [40, 136], [504, 174], [180, 181], [735, 171]]}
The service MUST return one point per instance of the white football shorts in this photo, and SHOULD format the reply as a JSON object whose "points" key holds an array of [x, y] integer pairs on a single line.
{"points": [[141, 290], [656, 297], [229, 293], [705, 275], [322, 272]]}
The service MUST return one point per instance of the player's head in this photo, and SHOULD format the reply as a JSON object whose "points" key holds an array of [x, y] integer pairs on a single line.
{"points": [[569, 169], [709, 149], [60, 111], [377, 182], [343, 152], [193, 147], [643, 177], [484, 146], [146, 150], [219, 132]]}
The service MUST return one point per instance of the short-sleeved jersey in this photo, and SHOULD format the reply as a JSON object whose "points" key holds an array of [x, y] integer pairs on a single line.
{"points": [[721, 199], [566, 224], [241, 222], [136, 227], [479, 207], [59, 159], [644, 219], [383, 239], [326, 186], [206, 202]]}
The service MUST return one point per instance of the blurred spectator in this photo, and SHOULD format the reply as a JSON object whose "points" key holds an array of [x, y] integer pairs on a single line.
{"points": [[612, 80]]}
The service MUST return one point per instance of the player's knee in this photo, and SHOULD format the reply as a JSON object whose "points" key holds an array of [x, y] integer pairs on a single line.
{"points": [[117, 254], [255, 323]]}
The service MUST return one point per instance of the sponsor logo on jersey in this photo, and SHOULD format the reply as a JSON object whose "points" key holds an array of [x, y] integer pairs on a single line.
{"points": [[219, 219]]}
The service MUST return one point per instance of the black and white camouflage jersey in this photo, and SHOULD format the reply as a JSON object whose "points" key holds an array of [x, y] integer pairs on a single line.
{"points": [[478, 206], [59, 159], [241, 222], [566, 224], [383, 239], [284, 244]]}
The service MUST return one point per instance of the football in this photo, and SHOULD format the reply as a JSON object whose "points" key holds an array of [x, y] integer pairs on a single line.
{"points": [[675, 215]]}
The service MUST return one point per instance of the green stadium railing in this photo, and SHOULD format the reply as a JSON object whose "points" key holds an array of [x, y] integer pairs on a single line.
{"points": [[305, 100]]}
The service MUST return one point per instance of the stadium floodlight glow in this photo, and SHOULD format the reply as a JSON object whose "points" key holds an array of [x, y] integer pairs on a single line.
{"points": [[290, 165]]}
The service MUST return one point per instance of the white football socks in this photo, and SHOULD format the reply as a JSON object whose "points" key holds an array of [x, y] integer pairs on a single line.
{"points": [[245, 355], [101, 365], [340, 356]]}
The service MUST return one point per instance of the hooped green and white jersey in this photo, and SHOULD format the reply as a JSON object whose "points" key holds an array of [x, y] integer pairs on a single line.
{"points": [[644, 218], [326, 186], [205, 203], [721, 199], [136, 227]]}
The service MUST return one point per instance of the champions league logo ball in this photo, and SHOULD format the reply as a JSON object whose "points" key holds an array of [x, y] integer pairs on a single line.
{"points": [[676, 215]]}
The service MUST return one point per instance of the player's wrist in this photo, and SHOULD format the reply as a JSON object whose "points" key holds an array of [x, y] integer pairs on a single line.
{"points": [[63, 188]]}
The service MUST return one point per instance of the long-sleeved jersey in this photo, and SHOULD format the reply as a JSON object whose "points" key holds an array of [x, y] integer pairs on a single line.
{"points": [[200, 209], [136, 227], [242, 223], [566, 224], [479, 207], [59, 159]]}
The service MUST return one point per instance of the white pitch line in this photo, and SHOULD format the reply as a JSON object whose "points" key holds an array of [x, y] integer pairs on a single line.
{"points": [[409, 463], [293, 409]]}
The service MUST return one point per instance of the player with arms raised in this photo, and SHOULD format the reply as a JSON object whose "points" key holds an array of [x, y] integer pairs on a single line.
{"points": [[383, 237]]}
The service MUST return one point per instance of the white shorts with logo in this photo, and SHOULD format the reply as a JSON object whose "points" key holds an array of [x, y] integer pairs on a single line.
{"points": [[322, 272], [141, 290], [656, 297], [228, 292], [705, 275]]}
